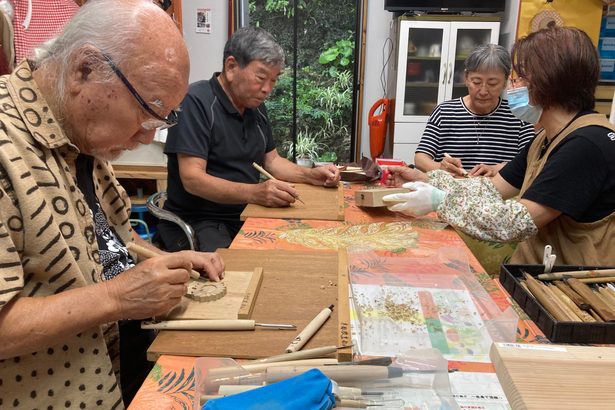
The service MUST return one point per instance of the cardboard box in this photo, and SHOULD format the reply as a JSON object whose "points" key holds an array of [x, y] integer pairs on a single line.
{"points": [[372, 198], [554, 330]]}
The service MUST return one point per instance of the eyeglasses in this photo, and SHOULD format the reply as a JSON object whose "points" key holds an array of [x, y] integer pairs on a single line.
{"points": [[517, 82], [150, 124]]}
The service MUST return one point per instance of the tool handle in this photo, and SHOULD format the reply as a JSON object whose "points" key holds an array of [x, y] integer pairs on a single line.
{"points": [[598, 273], [228, 389], [341, 374], [300, 355], [259, 367], [262, 171], [596, 303], [205, 324], [148, 253], [309, 331]]}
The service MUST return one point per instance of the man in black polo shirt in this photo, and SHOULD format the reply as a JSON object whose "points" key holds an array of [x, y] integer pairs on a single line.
{"points": [[223, 128]]}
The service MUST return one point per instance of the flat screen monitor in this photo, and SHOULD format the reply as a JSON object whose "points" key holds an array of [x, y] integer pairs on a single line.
{"points": [[452, 6]]}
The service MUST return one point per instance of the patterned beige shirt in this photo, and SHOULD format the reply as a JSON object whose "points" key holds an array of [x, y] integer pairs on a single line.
{"points": [[47, 246]]}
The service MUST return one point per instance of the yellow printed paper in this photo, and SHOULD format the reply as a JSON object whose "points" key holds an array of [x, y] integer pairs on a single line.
{"points": [[537, 14]]}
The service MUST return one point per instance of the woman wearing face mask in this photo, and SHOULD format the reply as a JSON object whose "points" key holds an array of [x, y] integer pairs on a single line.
{"points": [[563, 183], [478, 131]]}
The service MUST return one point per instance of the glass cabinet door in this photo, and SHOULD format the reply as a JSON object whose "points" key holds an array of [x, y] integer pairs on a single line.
{"points": [[430, 67], [465, 37], [421, 72]]}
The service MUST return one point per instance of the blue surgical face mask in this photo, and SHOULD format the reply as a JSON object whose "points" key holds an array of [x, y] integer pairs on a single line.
{"points": [[519, 102]]}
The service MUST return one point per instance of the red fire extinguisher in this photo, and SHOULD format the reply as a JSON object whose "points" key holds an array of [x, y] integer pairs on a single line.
{"points": [[378, 127]]}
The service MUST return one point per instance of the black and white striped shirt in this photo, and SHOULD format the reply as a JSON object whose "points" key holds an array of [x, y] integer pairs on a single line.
{"points": [[475, 139]]}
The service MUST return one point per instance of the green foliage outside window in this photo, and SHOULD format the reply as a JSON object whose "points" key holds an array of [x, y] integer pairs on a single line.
{"points": [[325, 73]]}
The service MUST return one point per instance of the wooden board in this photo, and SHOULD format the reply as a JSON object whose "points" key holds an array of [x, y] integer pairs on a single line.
{"points": [[241, 286], [320, 203], [158, 173], [250, 295], [296, 287], [556, 376], [372, 198]]}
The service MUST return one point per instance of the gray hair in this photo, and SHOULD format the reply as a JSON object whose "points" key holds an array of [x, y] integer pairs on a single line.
{"points": [[489, 57], [253, 43], [107, 25]]}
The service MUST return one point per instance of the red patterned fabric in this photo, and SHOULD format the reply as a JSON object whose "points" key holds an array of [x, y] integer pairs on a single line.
{"points": [[47, 19]]}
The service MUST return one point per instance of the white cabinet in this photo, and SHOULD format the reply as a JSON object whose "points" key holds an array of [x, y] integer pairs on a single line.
{"points": [[431, 52]]}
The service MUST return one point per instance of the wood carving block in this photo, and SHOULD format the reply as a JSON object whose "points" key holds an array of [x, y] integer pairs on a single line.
{"points": [[226, 305], [372, 198], [205, 291]]}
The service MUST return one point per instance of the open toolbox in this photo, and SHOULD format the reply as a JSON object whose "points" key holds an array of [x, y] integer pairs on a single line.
{"points": [[554, 330]]}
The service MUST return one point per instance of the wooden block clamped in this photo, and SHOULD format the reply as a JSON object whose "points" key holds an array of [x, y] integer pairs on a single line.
{"points": [[242, 288], [372, 198]]}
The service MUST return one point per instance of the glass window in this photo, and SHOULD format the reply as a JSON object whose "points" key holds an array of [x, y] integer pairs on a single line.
{"points": [[321, 37]]}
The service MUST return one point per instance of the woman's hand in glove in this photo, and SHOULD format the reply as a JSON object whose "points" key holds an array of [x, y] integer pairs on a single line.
{"points": [[423, 199]]}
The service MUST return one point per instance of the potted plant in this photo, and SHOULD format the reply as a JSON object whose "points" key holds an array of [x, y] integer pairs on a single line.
{"points": [[306, 149], [328, 157]]}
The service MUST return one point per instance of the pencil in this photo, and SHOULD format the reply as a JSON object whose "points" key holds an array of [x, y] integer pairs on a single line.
{"points": [[463, 171], [267, 175]]}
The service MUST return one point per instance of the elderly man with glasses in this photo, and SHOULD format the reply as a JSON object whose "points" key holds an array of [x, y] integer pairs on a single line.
{"points": [[115, 74]]}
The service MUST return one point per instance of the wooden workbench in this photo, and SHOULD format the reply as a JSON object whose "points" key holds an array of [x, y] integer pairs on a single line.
{"points": [[296, 287], [158, 173]]}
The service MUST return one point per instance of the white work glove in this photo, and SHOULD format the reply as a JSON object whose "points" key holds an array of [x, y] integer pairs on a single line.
{"points": [[423, 199]]}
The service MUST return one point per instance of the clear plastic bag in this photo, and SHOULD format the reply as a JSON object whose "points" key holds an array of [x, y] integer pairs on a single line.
{"points": [[417, 379]]}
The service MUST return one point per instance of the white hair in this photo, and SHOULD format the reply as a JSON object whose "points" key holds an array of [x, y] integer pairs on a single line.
{"points": [[107, 25]]}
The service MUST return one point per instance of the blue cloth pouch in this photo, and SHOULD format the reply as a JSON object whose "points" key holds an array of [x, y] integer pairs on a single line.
{"points": [[311, 390]]}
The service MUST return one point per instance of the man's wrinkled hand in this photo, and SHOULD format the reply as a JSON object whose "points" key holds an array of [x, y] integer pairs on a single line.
{"points": [[327, 175], [274, 193]]}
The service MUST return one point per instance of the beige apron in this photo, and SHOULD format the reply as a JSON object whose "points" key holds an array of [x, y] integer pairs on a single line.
{"points": [[573, 242]]}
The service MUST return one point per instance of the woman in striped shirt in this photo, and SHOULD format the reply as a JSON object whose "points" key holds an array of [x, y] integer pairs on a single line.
{"points": [[478, 131]]}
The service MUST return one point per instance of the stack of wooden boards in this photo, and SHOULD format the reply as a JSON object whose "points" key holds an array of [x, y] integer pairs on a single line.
{"points": [[555, 376]]}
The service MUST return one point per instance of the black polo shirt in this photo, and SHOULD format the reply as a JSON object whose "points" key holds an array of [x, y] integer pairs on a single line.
{"points": [[211, 128]]}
